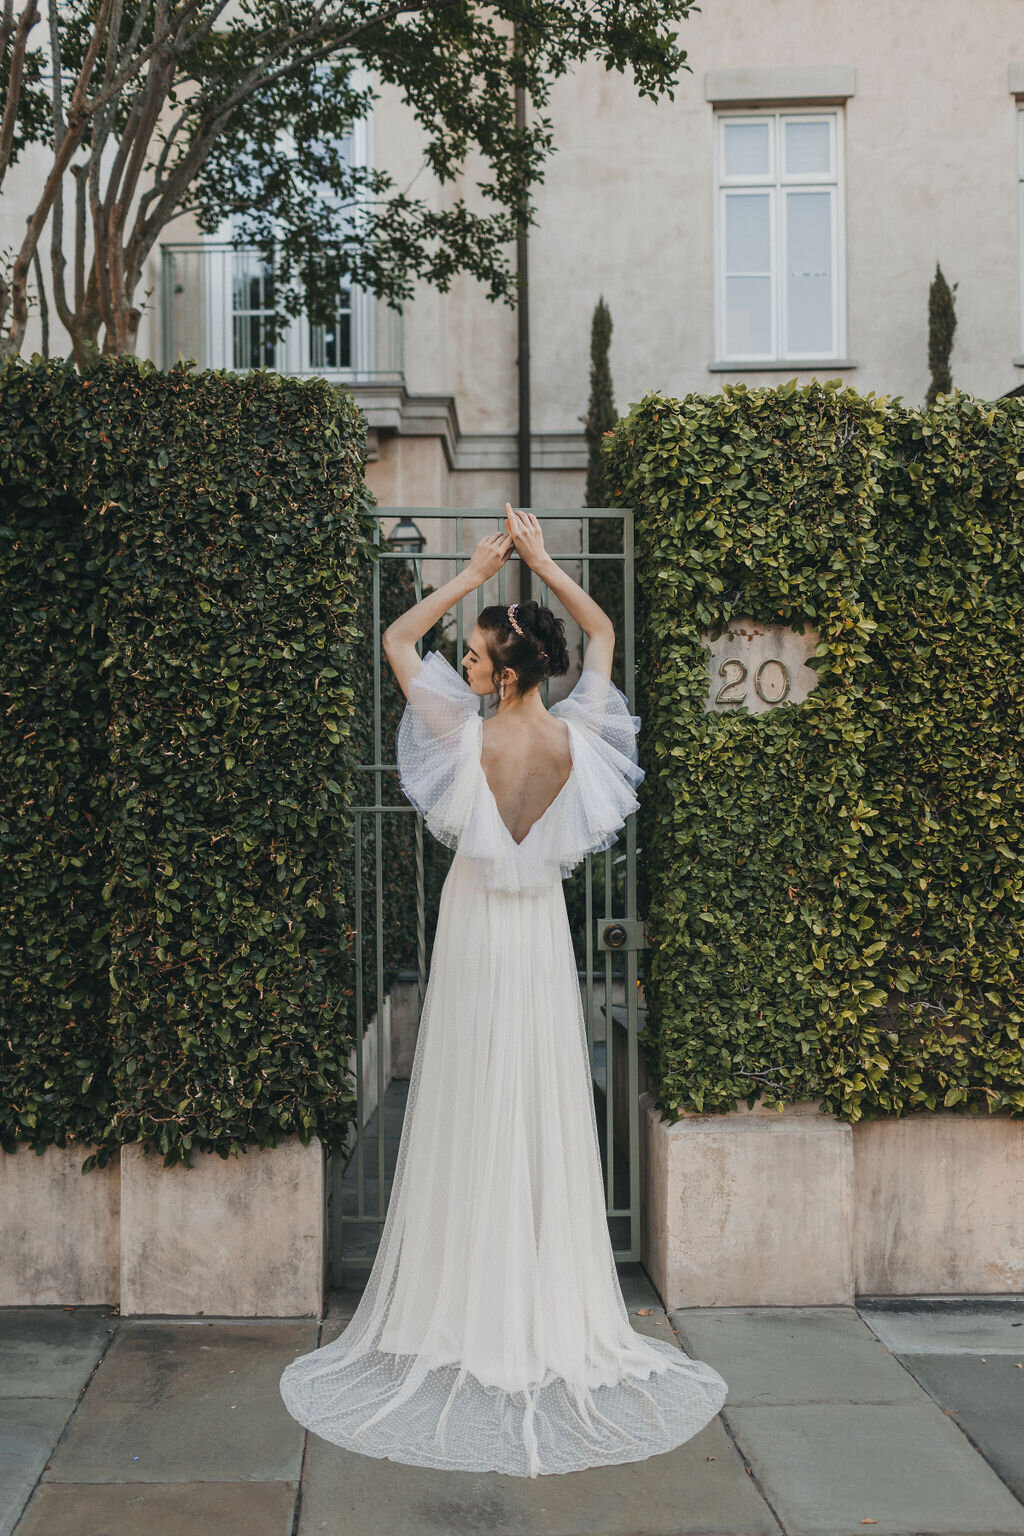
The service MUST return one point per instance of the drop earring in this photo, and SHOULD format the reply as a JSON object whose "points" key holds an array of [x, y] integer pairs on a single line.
{"points": [[501, 689]]}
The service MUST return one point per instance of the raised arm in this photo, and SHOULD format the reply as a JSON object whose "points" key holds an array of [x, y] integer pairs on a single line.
{"points": [[399, 639], [528, 537]]}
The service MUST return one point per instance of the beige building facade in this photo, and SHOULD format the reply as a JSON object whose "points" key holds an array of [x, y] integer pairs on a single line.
{"points": [[782, 217]]}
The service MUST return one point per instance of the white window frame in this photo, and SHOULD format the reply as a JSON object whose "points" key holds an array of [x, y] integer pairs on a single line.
{"points": [[775, 182], [292, 352]]}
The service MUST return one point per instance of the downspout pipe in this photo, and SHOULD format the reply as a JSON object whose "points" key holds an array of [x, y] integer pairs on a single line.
{"points": [[523, 359]]}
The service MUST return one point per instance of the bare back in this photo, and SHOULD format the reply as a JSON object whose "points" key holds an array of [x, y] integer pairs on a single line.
{"points": [[526, 763]]}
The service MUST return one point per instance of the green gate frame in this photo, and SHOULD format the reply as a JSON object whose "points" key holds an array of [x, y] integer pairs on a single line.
{"points": [[610, 933]]}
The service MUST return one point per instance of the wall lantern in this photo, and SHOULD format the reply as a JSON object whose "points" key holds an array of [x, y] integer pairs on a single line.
{"points": [[405, 538]]}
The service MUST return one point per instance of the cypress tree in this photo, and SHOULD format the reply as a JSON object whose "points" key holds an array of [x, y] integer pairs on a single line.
{"points": [[941, 325], [605, 533], [600, 417]]}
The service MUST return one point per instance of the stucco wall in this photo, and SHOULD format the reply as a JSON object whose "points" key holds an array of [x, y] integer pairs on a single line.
{"points": [[626, 211]]}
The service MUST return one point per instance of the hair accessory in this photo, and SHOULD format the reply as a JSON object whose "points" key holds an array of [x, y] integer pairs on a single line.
{"points": [[512, 618]]}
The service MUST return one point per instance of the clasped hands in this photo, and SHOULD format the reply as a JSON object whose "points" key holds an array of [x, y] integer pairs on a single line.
{"points": [[522, 534]]}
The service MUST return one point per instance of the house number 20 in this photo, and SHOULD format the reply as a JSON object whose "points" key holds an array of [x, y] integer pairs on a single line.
{"points": [[739, 678]]}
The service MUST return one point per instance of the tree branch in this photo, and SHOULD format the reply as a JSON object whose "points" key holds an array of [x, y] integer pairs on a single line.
{"points": [[27, 20]]}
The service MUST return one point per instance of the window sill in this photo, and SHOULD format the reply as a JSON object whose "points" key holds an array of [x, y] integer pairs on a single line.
{"points": [[790, 365], [1018, 362]]}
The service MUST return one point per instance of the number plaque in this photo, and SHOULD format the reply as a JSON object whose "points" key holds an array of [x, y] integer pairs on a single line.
{"points": [[758, 666]]}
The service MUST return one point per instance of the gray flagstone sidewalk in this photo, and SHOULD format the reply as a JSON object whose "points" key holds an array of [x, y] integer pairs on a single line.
{"points": [[900, 1418]]}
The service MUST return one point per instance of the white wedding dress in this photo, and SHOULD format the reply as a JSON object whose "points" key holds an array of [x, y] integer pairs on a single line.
{"points": [[492, 1334]]}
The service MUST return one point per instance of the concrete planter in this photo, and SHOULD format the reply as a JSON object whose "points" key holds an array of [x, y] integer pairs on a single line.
{"points": [[60, 1234], [940, 1204], [237, 1237], [756, 1208], [749, 1209], [752, 1208]]}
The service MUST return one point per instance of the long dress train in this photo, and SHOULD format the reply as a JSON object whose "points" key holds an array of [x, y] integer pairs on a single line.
{"points": [[492, 1334]]}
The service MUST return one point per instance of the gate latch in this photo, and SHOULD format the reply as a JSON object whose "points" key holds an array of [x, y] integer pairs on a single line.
{"points": [[621, 933]]}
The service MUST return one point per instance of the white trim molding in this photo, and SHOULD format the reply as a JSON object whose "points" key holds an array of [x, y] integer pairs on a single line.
{"points": [[1017, 79], [789, 365], [390, 410], [794, 82]]}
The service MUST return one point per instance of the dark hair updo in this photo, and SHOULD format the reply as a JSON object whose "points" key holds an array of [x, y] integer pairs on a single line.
{"points": [[539, 652]]}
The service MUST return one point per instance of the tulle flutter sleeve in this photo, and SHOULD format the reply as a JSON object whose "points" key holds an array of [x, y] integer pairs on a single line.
{"points": [[605, 767], [437, 747]]}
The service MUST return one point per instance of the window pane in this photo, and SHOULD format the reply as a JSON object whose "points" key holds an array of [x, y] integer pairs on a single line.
{"points": [[748, 316], [746, 149], [330, 346], [747, 226], [809, 272], [807, 149], [253, 347]]}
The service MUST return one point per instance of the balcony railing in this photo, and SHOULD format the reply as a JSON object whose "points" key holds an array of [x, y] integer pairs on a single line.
{"points": [[215, 305]]}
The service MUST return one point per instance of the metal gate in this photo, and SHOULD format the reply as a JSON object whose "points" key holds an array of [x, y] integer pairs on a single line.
{"points": [[600, 895]]}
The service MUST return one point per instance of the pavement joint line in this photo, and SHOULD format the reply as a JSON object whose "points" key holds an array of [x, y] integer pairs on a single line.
{"points": [[992, 1301], [902, 1363], [963, 1352], [963, 1430], [111, 1336], [832, 1402], [748, 1468], [143, 1319], [306, 1434]]}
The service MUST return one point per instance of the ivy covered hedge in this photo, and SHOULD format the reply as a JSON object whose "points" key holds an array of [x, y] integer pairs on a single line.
{"points": [[181, 559], [835, 888]]}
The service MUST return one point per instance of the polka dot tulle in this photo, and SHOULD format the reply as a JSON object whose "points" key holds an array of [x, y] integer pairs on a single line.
{"points": [[492, 1334]]}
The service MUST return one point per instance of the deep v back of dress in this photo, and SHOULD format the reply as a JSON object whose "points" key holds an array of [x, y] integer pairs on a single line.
{"points": [[526, 768], [492, 1334]]}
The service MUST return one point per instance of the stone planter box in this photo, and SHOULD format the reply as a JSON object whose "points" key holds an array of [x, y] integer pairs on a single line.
{"points": [[229, 1237], [238, 1237], [243, 1236], [758, 1208], [60, 1229], [748, 1209]]}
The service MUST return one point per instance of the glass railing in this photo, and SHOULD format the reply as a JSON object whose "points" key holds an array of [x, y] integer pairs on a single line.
{"points": [[215, 302]]}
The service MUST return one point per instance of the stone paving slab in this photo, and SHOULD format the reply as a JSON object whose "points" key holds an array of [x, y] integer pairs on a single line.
{"points": [[646, 1313], [949, 1328], [50, 1351], [642, 1301], [988, 1395], [636, 1288], [29, 1429], [795, 1355], [828, 1419], [162, 1509], [181, 1402], [827, 1468], [699, 1489]]}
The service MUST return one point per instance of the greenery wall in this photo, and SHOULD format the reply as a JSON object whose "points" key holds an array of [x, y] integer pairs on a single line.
{"points": [[835, 888], [182, 561]]}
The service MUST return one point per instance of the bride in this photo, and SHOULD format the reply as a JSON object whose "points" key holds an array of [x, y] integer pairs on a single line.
{"points": [[492, 1334]]}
